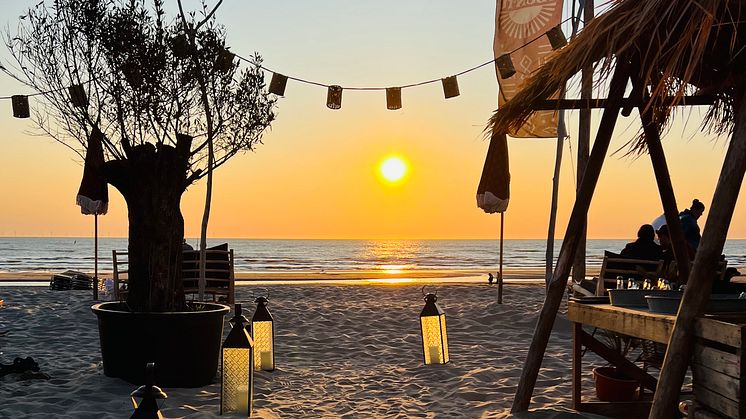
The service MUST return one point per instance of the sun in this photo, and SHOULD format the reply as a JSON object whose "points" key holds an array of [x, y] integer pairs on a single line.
{"points": [[393, 169]]}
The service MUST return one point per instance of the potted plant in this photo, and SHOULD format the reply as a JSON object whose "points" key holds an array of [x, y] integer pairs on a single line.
{"points": [[165, 99], [611, 384]]}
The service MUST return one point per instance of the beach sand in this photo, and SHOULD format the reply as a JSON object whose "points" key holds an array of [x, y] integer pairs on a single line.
{"points": [[342, 351]]}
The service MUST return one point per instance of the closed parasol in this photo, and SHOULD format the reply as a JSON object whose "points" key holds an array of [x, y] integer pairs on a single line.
{"points": [[493, 192], [93, 194]]}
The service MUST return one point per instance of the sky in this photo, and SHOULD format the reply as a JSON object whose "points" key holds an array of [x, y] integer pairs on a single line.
{"points": [[317, 174]]}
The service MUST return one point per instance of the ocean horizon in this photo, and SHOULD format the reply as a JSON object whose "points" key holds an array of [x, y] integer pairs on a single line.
{"points": [[56, 254]]}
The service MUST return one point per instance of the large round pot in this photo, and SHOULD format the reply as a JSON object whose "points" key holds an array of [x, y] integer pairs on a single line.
{"points": [[612, 386], [185, 346]]}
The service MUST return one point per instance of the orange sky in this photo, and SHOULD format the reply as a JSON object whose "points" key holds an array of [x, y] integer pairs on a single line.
{"points": [[315, 176]]}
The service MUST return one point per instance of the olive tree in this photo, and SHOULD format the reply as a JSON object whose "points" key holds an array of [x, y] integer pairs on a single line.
{"points": [[168, 100]]}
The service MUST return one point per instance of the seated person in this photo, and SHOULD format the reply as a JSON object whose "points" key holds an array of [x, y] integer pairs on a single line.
{"points": [[644, 247]]}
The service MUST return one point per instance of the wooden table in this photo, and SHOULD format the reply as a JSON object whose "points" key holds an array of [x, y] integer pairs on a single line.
{"points": [[636, 323]]}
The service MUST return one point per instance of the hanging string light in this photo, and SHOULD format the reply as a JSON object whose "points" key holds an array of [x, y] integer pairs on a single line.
{"points": [[20, 106], [450, 87], [334, 97], [393, 98], [505, 66], [78, 98], [278, 83], [556, 38]]}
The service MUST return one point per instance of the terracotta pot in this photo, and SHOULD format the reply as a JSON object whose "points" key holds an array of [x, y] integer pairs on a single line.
{"points": [[613, 386], [185, 346]]}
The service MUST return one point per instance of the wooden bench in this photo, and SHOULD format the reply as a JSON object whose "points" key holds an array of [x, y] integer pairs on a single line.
{"points": [[613, 267], [219, 274]]}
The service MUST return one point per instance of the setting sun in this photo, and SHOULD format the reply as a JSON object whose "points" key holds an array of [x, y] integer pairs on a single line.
{"points": [[393, 169]]}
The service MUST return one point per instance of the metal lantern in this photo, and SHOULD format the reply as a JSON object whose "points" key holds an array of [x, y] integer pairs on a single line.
{"points": [[450, 87], [149, 393], [556, 38], [237, 383], [77, 96], [505, 66], [393, 98], [334, 97], [263, 333], [278, 83], [20, 106], [433, 326]]}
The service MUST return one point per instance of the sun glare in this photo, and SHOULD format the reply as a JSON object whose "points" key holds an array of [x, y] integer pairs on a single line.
{"points": [[393, 169]]}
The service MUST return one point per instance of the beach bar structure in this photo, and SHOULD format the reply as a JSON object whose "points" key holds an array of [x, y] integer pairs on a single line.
{"points": [[672, 53]]}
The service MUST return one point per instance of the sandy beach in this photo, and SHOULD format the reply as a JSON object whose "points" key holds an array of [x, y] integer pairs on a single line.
{"points": [[342, 351]]}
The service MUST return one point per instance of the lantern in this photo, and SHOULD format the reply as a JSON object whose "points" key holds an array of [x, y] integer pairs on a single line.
{"points": [[237, 383], [556, 38], [393, 98], [450, 87], [20, 106], [334, 97], [278, 83], [263, 333], [148, 407], [224, 60], [77, 96], [433, 325], [180, 45], [505, 66]]}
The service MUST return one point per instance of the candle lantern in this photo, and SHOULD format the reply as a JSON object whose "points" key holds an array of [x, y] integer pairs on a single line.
{"points": [[20, 106], [450, 87], [393, 98], [556, 38], [434, 338], [278, 83], [334, 97], [149, 393], [77, 96], [505, 66], [263, 333], [237, 382]]}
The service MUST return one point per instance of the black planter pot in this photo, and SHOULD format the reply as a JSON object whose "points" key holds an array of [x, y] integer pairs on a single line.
{"points": [[185, 346]]}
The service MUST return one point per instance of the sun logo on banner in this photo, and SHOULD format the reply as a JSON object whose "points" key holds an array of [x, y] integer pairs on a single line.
{"points": [[526, 18]]}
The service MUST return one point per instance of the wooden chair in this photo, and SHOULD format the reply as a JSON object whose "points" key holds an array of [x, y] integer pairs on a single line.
{"points": [[219, 274], [120, 274], [635, 268]]}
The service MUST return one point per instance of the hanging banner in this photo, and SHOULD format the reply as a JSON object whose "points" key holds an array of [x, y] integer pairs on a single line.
{"points": [[517, 22]]}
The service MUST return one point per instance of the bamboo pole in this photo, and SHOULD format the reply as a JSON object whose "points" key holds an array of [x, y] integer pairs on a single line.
{"points": [[584, 141], [500, 276], [699, 286], [95, 257], [665, 188], [549, 256], [570, 243]]}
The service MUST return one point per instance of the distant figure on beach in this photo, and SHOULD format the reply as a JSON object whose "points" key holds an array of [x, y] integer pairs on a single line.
{"points": [[645, 246], [689, 219], [186, 246], [490, 278]]}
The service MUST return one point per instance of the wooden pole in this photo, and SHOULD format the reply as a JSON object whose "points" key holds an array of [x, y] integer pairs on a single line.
{"points": [[699, 286], [549, 257], [665, 188], [95, 257], [573, 234], [584, 141], [500, 275]]}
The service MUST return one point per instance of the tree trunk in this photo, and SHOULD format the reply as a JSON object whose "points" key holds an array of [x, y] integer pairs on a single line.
{"points": [[152, 183]]}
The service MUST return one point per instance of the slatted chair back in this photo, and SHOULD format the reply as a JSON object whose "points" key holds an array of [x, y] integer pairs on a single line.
{"points": [[120, 273], [626, 268], [219, 274]]}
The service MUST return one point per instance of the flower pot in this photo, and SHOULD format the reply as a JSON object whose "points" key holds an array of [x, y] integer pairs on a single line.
{"points": [[185, 346], [612, 386]]}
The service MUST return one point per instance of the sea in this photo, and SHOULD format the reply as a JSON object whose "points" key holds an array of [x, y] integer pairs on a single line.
{"points": [[44, 254]]}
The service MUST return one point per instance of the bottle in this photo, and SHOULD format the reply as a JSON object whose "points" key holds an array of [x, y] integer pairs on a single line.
{"points": [[620, 285]]}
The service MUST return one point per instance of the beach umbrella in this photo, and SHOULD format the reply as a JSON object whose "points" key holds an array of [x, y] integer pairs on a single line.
{"points": [[237, 382], [93, 194], [493, 192], [433, 327], [263, 333]]}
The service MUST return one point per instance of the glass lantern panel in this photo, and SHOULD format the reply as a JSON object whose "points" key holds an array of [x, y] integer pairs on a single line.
{"points": [[236, 376], [431, 340], [446, 357], [263, 346]]}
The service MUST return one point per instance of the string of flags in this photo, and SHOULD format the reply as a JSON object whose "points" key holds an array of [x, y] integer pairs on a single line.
{"points": [[278, 83]]}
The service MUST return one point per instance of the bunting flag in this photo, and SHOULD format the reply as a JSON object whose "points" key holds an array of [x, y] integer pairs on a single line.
{"points": [[517, 24], [493, 192]]}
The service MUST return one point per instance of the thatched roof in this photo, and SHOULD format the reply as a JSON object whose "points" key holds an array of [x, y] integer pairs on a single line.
{"points": [[680, 45]]}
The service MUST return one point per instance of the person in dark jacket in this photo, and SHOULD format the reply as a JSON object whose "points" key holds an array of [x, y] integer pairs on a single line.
{"points": [[689, 219], [645, 246]]}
